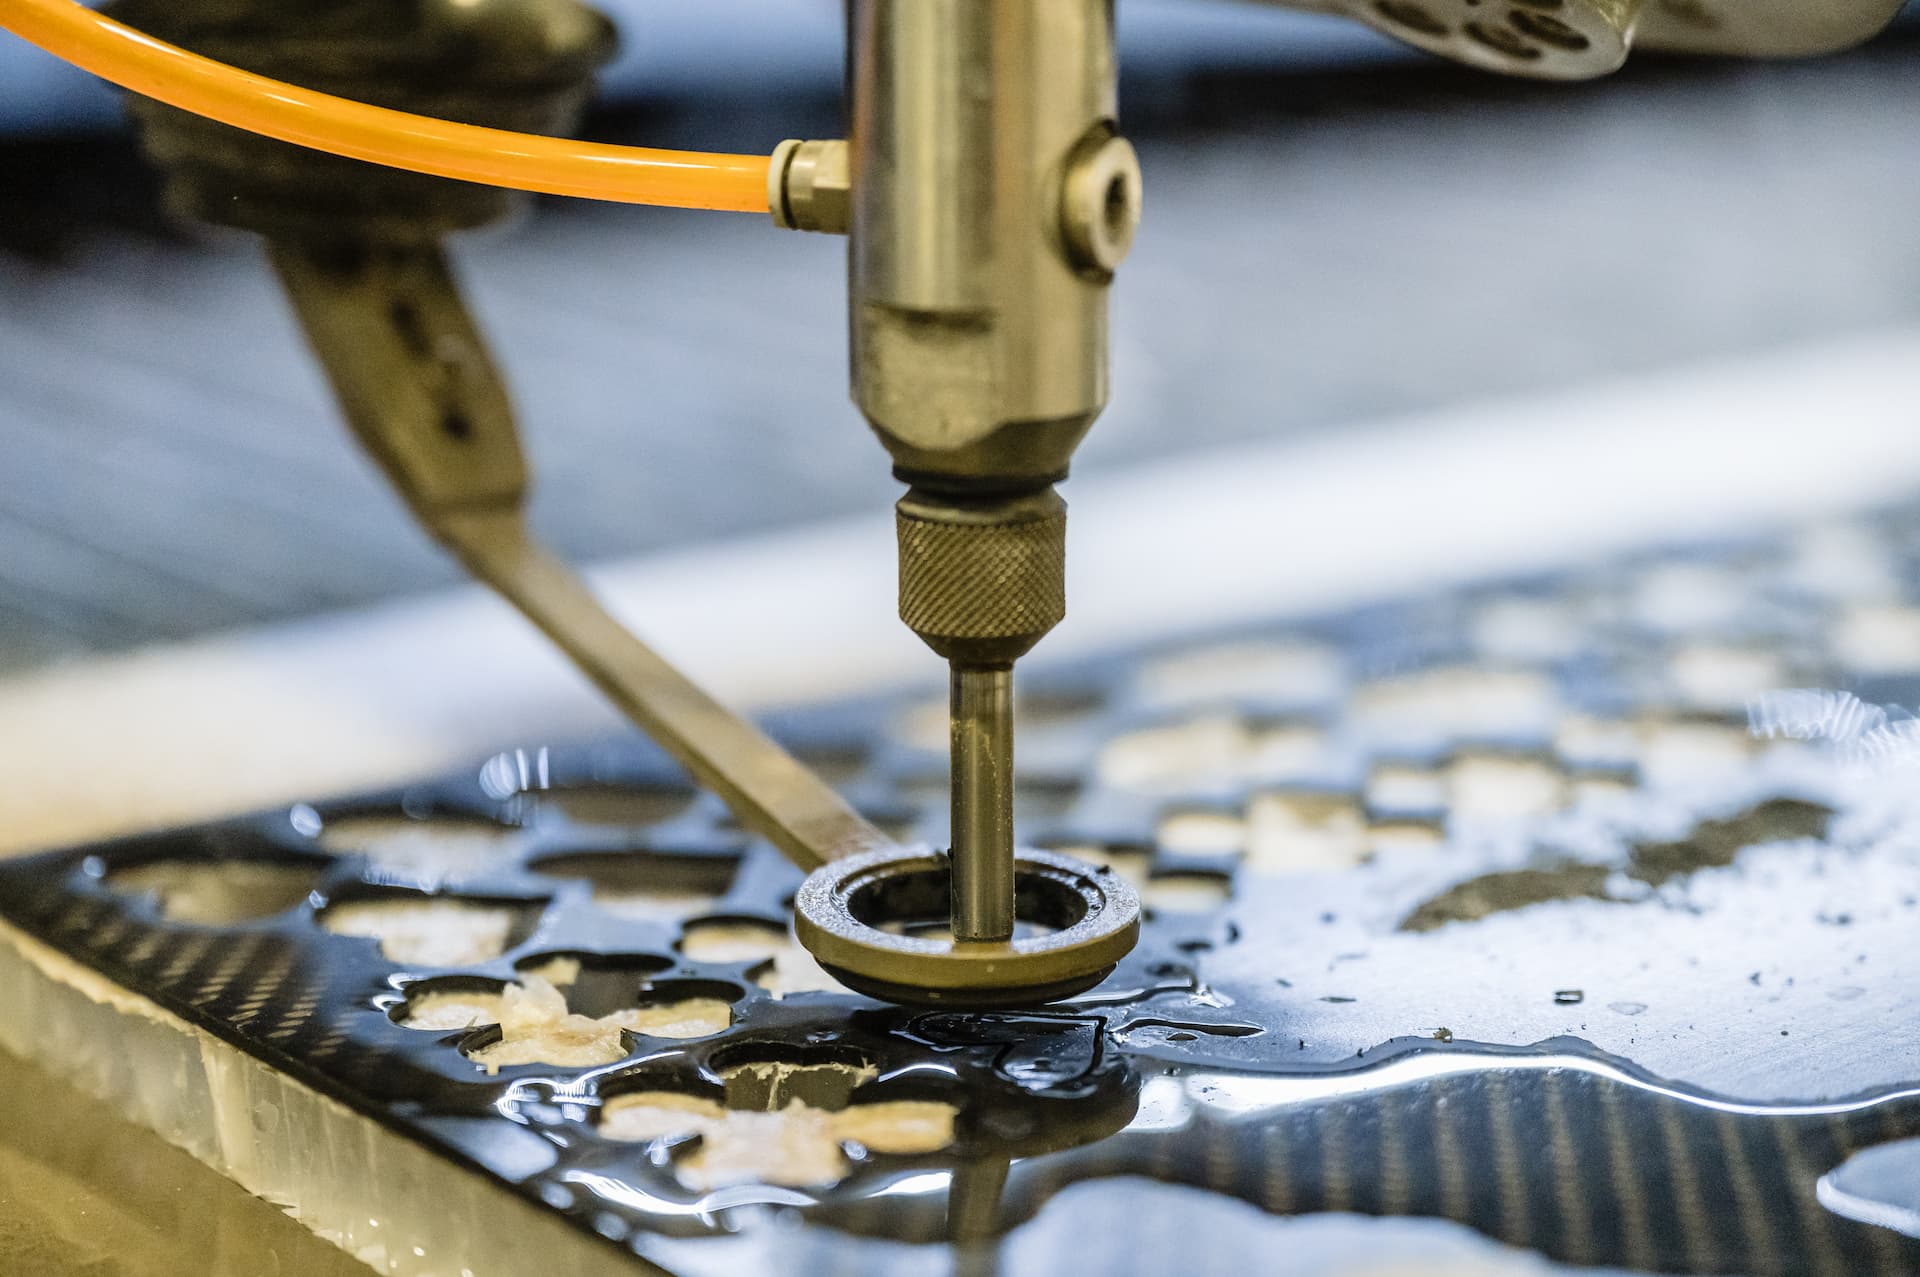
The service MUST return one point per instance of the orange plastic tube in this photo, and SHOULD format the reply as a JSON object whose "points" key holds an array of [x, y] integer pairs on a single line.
{"points": [[496, 157]]}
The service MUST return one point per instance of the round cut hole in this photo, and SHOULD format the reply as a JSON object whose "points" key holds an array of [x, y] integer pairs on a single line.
{"points": [[536, 1027], [431, 849], [1304, 832], [615, 806], [769, 1085], [692, 1017], [1202, 833], [729, 940], [211, 893], [786, 1122], [445, 1006], [1186, 892], [648, 886], [434, 931], [793, 970]]}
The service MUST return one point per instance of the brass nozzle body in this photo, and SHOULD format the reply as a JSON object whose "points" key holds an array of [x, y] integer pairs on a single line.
{"points": [[989, 200]]}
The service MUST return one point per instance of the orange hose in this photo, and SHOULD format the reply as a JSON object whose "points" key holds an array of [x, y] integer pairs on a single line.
{"points": [[398, 139]]}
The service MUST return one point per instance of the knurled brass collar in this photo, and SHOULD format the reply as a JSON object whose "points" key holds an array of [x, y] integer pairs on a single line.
{"points": [[982, 584]]}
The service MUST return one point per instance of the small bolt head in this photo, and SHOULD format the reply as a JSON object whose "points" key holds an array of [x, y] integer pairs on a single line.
{"points": [[1100, 208]]}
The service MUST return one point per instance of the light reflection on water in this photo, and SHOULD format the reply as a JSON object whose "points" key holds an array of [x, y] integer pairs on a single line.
{"points": [[1242, 1094]]}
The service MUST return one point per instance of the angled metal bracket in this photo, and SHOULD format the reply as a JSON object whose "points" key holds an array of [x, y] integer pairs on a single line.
{"points": [[421, 393]]}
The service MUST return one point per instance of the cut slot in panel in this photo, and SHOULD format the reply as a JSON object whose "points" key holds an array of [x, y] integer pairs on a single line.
{"points": [[450, 1004], [766, 1077], [542, 1024], [614, 806], [645, 885], [416, 929], [536, 1027], [1259, 671], [596, 984], [216, 892], [785, 1121], [792, 970], [1186, 892], [431, 849], [728, 940], [621, 989], [1168, 757], [1304, 833], [1503, 787], [1455, 701], [1132, 863], [1202, 833], [681, 1009]]}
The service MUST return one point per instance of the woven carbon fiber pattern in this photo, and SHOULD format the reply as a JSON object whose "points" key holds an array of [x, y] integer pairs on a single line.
{"points": [[1284, 1024], [983, 580]]}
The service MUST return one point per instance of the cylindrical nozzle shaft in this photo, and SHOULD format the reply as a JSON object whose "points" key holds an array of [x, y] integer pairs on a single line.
{"points": [[982, 785]]}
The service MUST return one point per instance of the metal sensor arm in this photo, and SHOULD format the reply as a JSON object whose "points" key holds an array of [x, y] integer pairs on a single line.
{"points": [[421, 394]]}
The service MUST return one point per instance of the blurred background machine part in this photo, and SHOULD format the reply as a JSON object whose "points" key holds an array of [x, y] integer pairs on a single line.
{"points": [[1227, 97]]}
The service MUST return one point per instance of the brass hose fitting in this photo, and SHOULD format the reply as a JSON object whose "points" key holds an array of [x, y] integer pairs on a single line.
{"points": [[809, 186]]}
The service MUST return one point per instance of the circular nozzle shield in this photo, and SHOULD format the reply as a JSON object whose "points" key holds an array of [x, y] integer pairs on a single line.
{"points": [[842, 908]]}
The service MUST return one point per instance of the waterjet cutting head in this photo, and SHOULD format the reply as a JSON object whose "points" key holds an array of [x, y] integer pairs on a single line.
{"points": [[988, 199]]}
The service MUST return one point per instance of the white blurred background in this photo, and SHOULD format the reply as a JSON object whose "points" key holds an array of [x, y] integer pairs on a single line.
{"points": [[1345, 243]]}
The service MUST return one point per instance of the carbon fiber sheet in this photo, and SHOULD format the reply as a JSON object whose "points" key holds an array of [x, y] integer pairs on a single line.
{"points": [[1490, 906]]}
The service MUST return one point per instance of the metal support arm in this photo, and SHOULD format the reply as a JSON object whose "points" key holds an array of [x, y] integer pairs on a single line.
{"points": [[420, 392]]}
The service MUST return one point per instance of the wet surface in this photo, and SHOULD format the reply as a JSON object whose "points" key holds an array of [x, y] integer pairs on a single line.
{"points": [[1487, 908], [1879, 1185], [1711, 844]]}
